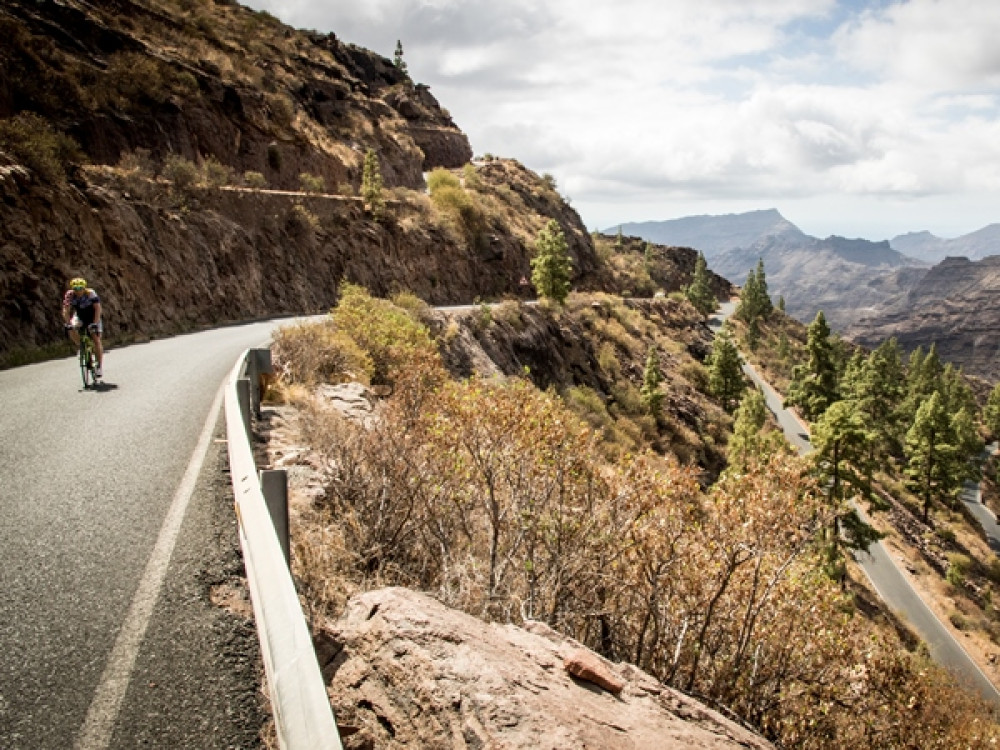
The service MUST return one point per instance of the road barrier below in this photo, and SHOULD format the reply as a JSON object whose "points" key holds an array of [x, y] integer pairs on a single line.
{"points": [[302, 714]]}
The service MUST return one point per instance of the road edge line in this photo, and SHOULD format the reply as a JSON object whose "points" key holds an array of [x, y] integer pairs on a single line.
{"points": [[98, 727]]}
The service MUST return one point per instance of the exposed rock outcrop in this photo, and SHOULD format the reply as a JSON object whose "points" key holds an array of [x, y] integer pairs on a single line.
{"points": [[406, 671], [220, 81], [165, 265]]}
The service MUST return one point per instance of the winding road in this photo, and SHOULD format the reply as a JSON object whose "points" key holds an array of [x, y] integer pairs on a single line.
{"points": [[111, 533], [883, 572]]}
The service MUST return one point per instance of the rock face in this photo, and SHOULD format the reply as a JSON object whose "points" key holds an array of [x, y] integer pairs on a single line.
{"points": [[165, 266], [955, 305], [404, 671], [217, 80]]}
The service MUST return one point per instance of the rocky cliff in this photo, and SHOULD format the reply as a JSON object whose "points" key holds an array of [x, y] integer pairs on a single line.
{"points": [[954, 305], [160, 150]]}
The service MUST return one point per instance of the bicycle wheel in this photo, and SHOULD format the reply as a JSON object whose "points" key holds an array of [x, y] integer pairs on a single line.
{"points": [[86, 363]]}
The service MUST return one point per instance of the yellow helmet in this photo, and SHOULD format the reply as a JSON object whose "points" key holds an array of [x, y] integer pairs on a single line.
{"points": [[78, 284]]}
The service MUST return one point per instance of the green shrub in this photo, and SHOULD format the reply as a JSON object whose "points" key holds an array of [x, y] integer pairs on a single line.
{"points": [[302, 222], [183, 173], [589, 405], [958, 568], [31, 141], [311, 183], [695, 373], [254, 179], [607, 358], [441, 178], [389, 335], [217, 174]]}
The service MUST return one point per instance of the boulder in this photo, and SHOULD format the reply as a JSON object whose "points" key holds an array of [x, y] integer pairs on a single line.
{"points": [[404, 671]]}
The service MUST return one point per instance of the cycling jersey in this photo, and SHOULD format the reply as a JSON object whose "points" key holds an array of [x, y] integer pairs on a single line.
{"points": [[82, 306]]}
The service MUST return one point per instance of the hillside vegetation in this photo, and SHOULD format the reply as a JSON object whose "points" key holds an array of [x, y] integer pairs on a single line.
{"points": [[514, 499]]}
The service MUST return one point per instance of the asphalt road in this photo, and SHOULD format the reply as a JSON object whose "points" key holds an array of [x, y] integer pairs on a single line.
{"points": [[885, 576], [106, 639], [972, 496]]}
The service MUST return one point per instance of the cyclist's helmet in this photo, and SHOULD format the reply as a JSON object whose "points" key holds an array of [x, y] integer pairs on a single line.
{"points": [[78, 284]]}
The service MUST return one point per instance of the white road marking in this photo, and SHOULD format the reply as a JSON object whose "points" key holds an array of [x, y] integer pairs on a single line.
{"points": [[103, 713]]}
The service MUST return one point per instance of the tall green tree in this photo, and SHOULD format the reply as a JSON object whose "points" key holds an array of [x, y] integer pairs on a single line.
{"points": [[840, 441], [700, 293], [725, 371], [991, 414], [814, 384], [755, 301], [652, 397], [371, 184], [397, 58], [764, 305], [750, 442], [551, 268], [877, 383], [931, 467]]}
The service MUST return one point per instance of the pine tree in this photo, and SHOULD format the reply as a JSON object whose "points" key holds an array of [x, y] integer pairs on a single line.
{"points": [[840, 441], [814, 384], [397, 59], [725, 371], [968, 445], [746, 310], [371, 184], [700, 293], [781, 303], [878, 386], [749, 442], [652, 397], [930, 454], [551, 268], [755, 302], [841, 459], [763, 302], [991, 414]]}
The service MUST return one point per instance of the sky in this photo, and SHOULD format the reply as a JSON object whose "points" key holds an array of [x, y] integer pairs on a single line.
{"points": [[857, 118]]}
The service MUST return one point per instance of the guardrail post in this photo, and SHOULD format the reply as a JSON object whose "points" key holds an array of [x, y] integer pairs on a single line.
{"points": [[243, 394], [274, 485], [258, 363]]}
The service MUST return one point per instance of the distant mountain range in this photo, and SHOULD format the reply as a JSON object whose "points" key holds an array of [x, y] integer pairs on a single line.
{"points": [[925, 246], [870, 290], [844, 278]]}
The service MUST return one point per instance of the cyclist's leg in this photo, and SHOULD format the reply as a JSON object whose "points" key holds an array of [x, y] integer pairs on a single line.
{"points": [[98, 345]]}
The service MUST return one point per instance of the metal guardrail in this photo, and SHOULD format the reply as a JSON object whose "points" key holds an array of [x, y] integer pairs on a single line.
{"points": [[302, 713]]}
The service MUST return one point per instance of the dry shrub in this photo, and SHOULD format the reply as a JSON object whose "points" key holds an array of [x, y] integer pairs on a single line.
{"points": [[31, 140], [313, 352], [389, 335], [417, 309], [216, 173], [509, 312]]}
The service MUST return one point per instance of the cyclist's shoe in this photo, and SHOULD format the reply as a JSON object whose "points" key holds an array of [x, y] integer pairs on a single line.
{"points": [[98, 373]]}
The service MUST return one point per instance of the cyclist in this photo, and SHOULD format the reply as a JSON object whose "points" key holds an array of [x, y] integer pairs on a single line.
{"points": [[82, 307]]}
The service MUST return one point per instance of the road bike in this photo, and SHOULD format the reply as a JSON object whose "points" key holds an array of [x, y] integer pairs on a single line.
{"points": [[88, 359]]}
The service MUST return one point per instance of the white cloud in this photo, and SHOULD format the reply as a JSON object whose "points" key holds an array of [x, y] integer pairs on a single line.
{"points": [[639, 107]]}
